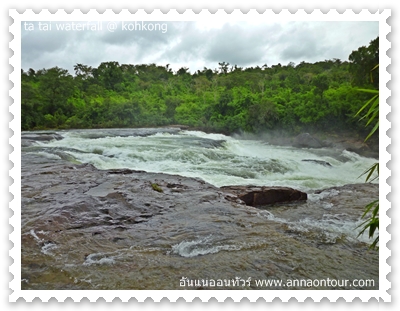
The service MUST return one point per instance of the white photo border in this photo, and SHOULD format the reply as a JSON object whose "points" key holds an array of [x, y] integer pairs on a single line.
{"points": [[188, 15]]}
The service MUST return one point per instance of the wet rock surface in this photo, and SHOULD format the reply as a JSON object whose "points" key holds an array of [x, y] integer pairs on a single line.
{"points": [[84, 228], [83, 197], [29, 138]]}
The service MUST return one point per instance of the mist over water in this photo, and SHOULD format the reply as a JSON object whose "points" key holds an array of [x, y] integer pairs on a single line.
{"points": [[217, 159]]}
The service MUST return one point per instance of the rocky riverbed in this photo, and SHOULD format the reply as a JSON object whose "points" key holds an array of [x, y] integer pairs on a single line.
{"points": [[85, 228]]}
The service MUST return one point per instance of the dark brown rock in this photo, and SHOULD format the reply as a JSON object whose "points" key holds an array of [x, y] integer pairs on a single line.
{"points": [[258, 196]]}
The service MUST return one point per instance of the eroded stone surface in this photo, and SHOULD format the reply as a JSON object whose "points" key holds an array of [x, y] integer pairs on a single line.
{"points": [[84, 228]]}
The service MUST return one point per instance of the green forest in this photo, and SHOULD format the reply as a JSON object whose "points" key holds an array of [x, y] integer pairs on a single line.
{"points": [[323, 95]]}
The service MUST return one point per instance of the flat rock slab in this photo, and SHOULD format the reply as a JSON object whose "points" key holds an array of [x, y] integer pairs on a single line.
{"points": [[88, 229], [258, 196]]}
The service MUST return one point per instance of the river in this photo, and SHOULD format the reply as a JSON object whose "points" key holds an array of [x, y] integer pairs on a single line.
{"points": [[91, 219]]}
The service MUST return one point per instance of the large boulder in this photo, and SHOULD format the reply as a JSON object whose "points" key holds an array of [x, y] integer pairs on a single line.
{"points": [[258, 196]]}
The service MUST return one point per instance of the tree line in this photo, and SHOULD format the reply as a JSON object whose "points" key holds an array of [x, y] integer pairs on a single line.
{"points": [[322, 95]]}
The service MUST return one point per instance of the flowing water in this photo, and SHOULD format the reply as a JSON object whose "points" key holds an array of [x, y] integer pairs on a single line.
{"points": [[103, 227], [215, 158]]}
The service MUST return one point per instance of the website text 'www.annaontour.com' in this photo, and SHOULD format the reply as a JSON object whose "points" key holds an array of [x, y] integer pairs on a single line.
{"points": [[276, 283]]}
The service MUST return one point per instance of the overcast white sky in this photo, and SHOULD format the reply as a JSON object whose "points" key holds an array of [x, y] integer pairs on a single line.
{"points": [[192, 44]]}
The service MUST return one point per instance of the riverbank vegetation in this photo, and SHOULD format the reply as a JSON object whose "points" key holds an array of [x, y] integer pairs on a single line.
{"points": [[322, 95], [370, 112]]}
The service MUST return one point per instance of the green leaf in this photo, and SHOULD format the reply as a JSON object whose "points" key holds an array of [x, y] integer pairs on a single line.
{"points": [[372, 131], [371, 224], [369, 91], [370, 171], [366, 105], [375, 67]]}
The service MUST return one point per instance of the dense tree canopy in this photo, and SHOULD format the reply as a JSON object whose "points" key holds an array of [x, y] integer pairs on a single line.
{"points": [[362, 63], [229, 98]]}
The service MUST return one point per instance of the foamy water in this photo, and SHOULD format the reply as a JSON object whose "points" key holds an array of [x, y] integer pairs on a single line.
{"points": [[218, 159]]}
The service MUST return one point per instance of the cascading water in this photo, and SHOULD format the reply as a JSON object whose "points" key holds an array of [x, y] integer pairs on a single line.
{"points": [[215, 158]]}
